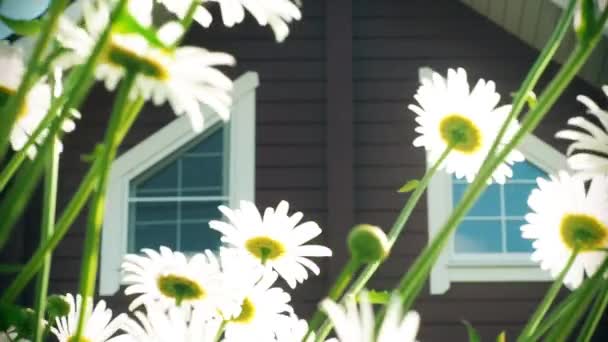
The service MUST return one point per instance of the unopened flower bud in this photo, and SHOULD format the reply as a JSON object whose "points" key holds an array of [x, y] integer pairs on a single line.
{"points": [[57, 306], [367, 243]]}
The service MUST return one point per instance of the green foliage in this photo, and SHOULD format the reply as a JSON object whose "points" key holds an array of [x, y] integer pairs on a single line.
{"points": [[409, 186], [128, 24], [376, 297], [473, 334], [22, 27], [502, 337], [57, 306]]}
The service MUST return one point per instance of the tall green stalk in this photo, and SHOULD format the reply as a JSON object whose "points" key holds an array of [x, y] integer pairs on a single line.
{"points": [[88, 275], [393, 234], [544, 306], [594, 316], [46, 231]]}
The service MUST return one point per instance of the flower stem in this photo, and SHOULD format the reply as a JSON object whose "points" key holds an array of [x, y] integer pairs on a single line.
{"points": [[220, 331], [594, 317], [544, 306], [344, 278], [10, 110], [48, 224], [393, 234], [67, 218], [88, 275]]}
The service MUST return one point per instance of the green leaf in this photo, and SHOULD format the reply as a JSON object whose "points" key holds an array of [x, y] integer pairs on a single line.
{"points": [[378, 297], [409, 186], [473, 334], [128, 24], [502, 337], [22, 27], [587, 24], [531, 99]]}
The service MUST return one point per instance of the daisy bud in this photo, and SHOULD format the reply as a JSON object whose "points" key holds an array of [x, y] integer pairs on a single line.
{"points": [[57, 306], [368, 243]]}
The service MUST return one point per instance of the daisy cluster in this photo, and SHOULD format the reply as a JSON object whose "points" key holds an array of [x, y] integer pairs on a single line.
{"points": [[235, 292], [569, 211]]}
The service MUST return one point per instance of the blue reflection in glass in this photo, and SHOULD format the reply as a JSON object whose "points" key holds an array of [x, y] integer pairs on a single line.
{"points": [[488, 204], [516, 198], [478, 236], [528, 171], [515, 243]]}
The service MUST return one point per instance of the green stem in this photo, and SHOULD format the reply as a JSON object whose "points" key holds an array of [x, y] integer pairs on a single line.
{"points": [[88, 275], [344, 278], [594, 317], [69, 215], [544, 306], [48, 223], [188, 20], [10, 110], [220, 331], [10, 268], [393, 235], [61, 228], [541, 63], [9, 171]]}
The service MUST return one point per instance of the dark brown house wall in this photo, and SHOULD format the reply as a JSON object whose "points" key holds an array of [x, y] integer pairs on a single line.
{"points": [[334, 136], [391, 40]]}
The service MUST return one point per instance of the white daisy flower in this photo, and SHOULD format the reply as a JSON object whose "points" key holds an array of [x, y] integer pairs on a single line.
{"points": [[276, 13], [171, 279], [37, 101], [565, 217], [590, 141], [449, 114], [356, 324], [98, 325], [261, 310], [174, 325], [11, 335], [277, 240], [186, 77]]}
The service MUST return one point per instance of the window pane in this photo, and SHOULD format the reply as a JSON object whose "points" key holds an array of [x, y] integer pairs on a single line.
{"points": [[527, 171], [478, 236], [154, 236], [202, 176], [516, 198], [515, 243], [161, 183], [197, 237], [145, 212], [213, 143], [200, 210], [488, 203]]}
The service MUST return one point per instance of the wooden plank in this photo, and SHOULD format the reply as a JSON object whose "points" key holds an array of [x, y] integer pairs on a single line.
{"points": [[340, 152], [496, 11], [513, 15], [529, 20], [547, 23]]}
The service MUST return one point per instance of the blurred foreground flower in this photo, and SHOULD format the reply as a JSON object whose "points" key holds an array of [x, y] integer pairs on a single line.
{"points": [[590, 142], [183, 76], [354, 324], [98, 324], [173, 325], [565, 217], [171, 279], [450, 115], [276, 240]]}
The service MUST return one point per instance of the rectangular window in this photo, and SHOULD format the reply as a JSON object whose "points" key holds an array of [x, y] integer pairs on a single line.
{"points": [[172, 204], [492, 226]]}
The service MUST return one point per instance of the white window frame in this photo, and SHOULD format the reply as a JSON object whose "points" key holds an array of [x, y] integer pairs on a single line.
{"points": [[481, 267], [160, 145]]}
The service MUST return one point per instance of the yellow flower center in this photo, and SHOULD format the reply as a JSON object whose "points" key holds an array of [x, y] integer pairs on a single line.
{"points": [[247, 312], [131, 60], [180, 288], [584, 232], [81, 339], [460, 133], [265, 248]]}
